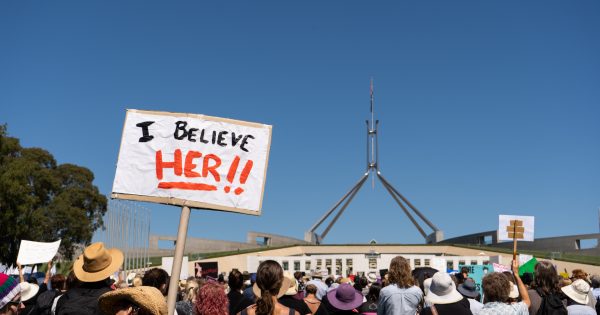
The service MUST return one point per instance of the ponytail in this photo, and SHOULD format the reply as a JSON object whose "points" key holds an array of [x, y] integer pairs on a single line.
{"points": [[264, 304]]}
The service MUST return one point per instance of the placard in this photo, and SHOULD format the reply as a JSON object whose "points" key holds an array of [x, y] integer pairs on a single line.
{"points": [[31, 252], [477, 272], [519, 227], [206, 269], [193, 160], [167, 265]]}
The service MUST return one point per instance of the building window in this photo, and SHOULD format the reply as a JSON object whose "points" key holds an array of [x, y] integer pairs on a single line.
{"points": [[427, 262], [296, 265], [285, 264], [373, 263], [461, 263], [450, 265], [473, 262], [417, 263], [319, 262], [307, 265]]}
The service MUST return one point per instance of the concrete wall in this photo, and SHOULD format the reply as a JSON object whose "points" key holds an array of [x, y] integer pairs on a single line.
{"points": [[195, 245]]}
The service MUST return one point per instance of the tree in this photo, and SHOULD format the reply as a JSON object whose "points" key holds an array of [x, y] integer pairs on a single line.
{"points": [[42, 201]]}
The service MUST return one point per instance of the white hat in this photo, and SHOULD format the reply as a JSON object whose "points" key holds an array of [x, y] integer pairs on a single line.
{"points": [[443, 290], [514, 291], [426, 285], [578, 291], [28, 290]]}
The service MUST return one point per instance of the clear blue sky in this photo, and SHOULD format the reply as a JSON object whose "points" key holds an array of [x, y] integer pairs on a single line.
{"points": [[486, 107]]}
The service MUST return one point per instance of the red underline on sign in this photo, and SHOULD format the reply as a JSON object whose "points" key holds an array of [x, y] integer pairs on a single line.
{"points": [[186, 186]]}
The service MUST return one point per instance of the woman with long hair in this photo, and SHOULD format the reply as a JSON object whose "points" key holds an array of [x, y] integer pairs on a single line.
{"points": [[545, 284], [186, 305], [212, 300], [401, 296], [268, 287]]}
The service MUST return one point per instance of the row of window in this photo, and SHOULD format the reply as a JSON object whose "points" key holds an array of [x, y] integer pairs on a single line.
{"points": [[372, 264]]}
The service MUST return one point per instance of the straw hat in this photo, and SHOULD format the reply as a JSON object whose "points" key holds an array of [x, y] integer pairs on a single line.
{"points": [[578, 291], [97, 263], [285, 285], [293, 287], [147, 298], [28, 290], [443, 290]]}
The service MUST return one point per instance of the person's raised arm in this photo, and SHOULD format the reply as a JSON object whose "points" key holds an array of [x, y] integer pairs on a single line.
{"points": [[48, 271], [21, 278], [520, 284]]}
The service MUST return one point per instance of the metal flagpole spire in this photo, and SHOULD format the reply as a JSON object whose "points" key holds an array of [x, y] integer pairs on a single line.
{"points": [[373, 167]]}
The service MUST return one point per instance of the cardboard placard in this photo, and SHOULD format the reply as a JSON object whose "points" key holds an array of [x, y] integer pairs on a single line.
{"points": [[521, 227], [31, 252], [193, 160]]}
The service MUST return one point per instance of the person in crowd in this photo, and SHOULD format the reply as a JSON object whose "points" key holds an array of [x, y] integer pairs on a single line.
{"points": [[71, 282], [30, 289], [464, 274], [317, 280], [137, 281], [443, 297], [289, 297], [496, 289], [237, 301], [141, 300], [361, 284], [93, 269], [595, 280], [248, 292], [212, 299], [186, 305], [580, 274], [370, 306], [578, 298], [329, 281], [10, 295], [269, 286], [46, 299], [344, 299], [311, 300], [469, 290], [298, 276], [158, 278], [401, 296], [545, 285]]}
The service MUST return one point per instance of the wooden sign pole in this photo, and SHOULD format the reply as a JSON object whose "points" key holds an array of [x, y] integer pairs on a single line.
{"points": [[515, 240], [178, 259]]}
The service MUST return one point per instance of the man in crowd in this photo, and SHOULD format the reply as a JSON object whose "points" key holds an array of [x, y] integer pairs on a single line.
{"points": [[10, 295]]}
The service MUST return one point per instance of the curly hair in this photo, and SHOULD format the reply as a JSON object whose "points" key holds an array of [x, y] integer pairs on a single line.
{"points": [[400, 273], [269, 278], [212, 300], [496, 287], [545, 278]]}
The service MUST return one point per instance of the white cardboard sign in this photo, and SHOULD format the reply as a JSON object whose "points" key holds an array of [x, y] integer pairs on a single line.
{"points": [[167, 265], [31, 253], [193, 160], [526, 222]]}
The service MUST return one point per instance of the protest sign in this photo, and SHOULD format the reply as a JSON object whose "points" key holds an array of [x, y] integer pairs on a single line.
{"points": [[517, 227], [206, 269], [193, 160], [167, 265], [36, 252], [477, 272]]}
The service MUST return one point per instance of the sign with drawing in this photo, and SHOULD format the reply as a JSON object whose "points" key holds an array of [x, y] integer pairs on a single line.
{"points": [[513, 227]]}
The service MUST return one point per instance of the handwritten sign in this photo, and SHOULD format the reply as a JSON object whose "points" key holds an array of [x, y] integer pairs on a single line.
{"points": [[477, 272], [193, 160], [513, 226], [31, 253], [206, 269]]}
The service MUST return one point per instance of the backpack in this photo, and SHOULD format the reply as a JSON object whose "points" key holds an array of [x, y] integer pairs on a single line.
{"points": [[598, 305], [551, 305]]}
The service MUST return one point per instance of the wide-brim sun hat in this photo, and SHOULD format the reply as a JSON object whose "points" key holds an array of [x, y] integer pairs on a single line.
{"points": [[578, 291], [443, 290], [97, 263], [514, 291], [468, 289], [345, 297], [293, 286], [28, 290], [285, 285], [150, 299]]}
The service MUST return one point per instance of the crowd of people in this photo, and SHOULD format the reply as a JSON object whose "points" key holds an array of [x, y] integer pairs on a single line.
{"points": [[88, 289]]}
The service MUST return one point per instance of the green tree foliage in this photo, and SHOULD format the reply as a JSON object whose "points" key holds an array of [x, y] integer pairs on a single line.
{"points": [[42, 201]]}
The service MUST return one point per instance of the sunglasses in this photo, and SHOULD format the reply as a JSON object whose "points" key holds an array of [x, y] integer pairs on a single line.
{"points": [[16, 303]]}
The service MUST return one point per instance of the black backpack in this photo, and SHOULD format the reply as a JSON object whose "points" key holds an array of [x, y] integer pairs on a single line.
{"points": [[551, 305]]}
